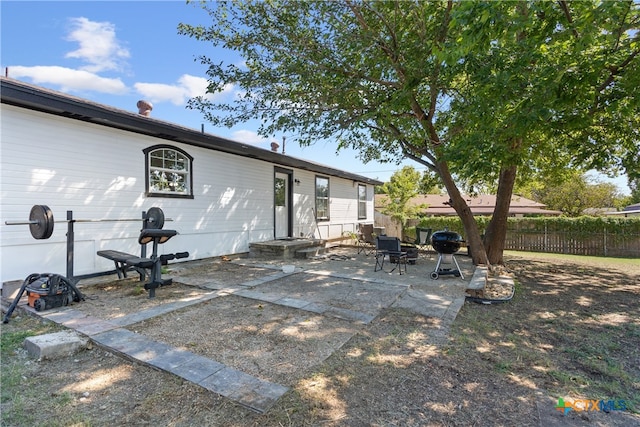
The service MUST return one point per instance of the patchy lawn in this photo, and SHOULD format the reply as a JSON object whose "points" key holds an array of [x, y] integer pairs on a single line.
{"points": [[572, 331]]}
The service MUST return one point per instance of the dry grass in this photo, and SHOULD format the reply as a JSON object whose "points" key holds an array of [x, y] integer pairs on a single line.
{"points": [[571, 330]]}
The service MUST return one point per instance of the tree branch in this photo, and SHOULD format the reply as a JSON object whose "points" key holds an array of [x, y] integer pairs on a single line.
{"points": [[615, 70], [567, 13], [380, 43]]}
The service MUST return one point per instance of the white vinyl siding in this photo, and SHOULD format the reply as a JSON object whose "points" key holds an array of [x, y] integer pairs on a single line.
{"points": [[99, 173]]}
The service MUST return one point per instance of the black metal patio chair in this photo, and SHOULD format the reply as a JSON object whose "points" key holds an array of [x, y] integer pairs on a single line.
{"points": [[391, 248]]}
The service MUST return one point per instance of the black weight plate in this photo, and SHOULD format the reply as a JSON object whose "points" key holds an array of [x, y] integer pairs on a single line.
{"points": [[155, 218], [42, 228]]}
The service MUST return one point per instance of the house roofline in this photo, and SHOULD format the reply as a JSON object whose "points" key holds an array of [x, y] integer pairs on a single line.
{"points": [[440, 205], [24, 95], [634, 211]]}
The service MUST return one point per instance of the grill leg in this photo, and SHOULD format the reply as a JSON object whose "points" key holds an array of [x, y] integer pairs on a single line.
{"points": [[379, 262], [438, 263], [457, 266]]}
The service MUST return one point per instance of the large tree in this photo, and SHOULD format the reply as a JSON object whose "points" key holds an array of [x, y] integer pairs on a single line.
{"points": [[551, 88], [478, 92]]}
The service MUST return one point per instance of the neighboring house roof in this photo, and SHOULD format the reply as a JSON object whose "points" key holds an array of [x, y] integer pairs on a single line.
{"points": [[597, 211], [36, 98], [631, 210], [438, 205], [635, 212]]}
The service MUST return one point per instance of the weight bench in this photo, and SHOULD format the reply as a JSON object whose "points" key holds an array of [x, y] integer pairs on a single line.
{"points": [[125, 261]]}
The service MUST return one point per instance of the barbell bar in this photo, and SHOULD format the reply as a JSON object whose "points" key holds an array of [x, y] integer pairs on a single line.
{"points": [[41, 220]]}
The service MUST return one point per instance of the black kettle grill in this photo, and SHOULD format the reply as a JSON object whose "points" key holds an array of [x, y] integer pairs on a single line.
{"points": [[446, 243]]}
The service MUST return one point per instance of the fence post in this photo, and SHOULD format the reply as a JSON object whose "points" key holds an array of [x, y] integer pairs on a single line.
{"points": [[546, 237]]}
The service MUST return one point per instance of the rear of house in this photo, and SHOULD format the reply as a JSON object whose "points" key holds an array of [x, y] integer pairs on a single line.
{"points": [[102, 163]]}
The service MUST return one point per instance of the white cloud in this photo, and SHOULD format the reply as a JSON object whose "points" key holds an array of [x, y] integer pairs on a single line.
{"points": [[101, 51], [69, 79], [248, 137], [186, 87], [98, 45], [193, 86], [160, 92]]}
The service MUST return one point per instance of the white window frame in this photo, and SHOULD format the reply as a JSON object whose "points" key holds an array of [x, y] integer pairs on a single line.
{"points": [[322, 199], [362, 201], [176, 165]]}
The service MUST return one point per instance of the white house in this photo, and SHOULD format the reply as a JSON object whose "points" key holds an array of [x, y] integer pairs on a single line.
{"points": [[103, 163]]}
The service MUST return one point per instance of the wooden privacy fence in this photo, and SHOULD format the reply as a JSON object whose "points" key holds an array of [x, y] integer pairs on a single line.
{"points": [[596, 243], [598, 236]]}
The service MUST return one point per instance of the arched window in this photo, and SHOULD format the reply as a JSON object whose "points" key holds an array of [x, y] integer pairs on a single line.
{"points": [[169, 172]]}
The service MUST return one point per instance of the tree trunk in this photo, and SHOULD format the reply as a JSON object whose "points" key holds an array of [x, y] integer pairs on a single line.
{"points": [[458, 203], [496, 232]]}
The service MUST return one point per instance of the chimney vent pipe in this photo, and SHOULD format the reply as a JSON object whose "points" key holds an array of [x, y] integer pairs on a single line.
{"points": [[144, 108]]}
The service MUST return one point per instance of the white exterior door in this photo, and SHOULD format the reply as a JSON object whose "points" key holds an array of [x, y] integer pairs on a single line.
{"points": [[281, 197]]}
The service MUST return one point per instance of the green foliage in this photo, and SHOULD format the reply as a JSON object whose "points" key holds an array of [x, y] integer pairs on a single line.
{"points": [[634, 184], [430, 183], [10, 341], [451, 223], [543, 93], [584, 225], [580, 226], [402, 187], [468, 89], [138, 290], [573, 198], [14, 371], [378, 189], [477, 84], [573, 193]]}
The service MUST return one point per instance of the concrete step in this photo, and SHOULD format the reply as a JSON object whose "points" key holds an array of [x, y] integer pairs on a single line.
{"points": [[52, 346], [283, 248], [310, 252]]}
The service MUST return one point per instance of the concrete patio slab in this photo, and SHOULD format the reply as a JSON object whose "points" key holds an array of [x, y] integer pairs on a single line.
{"points": [[344, 287], [171, 359], [62, 315], [196, 368], [245, 389], [121, 340]]}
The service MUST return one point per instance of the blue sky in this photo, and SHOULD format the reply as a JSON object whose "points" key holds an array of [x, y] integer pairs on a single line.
{"points": [[118, 52]]}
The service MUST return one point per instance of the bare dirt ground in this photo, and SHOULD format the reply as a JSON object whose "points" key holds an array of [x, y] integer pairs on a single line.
{"points": [[572, 330]]}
